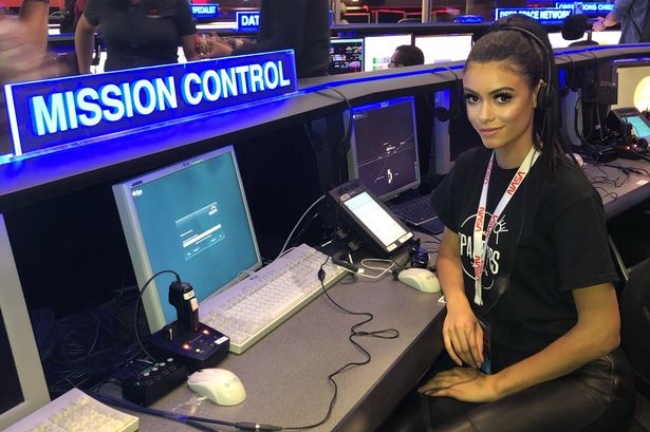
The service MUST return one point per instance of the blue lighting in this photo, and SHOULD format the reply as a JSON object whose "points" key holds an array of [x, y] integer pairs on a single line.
{"points": [[543, 15], [61, 112], [248, 21]]}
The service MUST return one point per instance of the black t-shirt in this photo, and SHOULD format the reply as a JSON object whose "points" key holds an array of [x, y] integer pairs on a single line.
{"points": [[550, 239], [143, 35], [301, 25]]}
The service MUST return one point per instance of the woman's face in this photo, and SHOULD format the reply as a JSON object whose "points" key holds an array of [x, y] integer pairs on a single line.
{"points": [[500, 106]]}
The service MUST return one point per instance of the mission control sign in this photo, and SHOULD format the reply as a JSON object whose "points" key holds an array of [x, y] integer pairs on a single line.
{"points": [[61, 111]]}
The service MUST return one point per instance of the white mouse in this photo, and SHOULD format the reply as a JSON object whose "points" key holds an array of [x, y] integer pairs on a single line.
{"points": [[219, 385], [421, 279]]}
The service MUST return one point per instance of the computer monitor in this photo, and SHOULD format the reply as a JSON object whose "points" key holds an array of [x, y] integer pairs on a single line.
{"points": [[633, 76], [23, 389], [346, 55], [192, 218], [442, 48], [379, 49], [384, 148], [608, 37]]}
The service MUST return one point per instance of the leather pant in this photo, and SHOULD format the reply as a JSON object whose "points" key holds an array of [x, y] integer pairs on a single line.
{"points": [[599, 397]]}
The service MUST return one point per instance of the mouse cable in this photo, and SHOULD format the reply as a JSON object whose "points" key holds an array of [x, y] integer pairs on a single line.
{"points": [[354, 333], [190, 420]]}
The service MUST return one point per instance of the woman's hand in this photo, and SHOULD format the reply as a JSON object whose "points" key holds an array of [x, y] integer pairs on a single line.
{"points": [[21, 56], [463, 384], [463, 337]]}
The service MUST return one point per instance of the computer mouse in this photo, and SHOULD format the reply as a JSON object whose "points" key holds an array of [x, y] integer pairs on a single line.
{"points": [[221, 386], [419, 278]]}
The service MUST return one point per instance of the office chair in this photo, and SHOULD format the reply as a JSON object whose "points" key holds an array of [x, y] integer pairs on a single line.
{"points": [[635, 324]]}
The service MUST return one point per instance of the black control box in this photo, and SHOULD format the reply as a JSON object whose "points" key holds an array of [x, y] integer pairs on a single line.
{"points": [[196, 349], [144, 384]]}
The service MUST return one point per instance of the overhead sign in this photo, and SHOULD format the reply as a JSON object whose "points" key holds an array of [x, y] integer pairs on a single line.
{"points": [[248, 21], [595, 8], [205, 11], [543, 15], [55, 112]]}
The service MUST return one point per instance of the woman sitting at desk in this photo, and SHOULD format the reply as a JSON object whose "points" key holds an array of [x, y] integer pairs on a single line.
{"points": [[532, 325]]}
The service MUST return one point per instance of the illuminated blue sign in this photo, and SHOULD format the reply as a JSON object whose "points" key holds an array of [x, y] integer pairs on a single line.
{"points": [[205, 11], [61, 111], [597, 8], [248, 21], [543, 15]]}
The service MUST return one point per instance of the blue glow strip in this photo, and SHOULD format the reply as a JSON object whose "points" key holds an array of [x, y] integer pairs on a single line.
{"points": [[248, 21], [61, 111], [543, 15], [205, 11]]}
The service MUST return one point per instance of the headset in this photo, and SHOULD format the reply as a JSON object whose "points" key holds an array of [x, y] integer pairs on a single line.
{"points": [[545, 92]]}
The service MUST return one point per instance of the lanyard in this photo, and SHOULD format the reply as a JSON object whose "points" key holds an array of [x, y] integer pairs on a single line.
{"points": [[479, 244]]}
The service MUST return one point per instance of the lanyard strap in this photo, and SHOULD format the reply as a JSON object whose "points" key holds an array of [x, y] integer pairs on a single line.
{"points": [[480, 244]]}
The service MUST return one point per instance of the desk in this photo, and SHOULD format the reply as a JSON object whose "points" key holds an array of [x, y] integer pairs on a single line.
{"points": [[620, 191], [285, 374]]}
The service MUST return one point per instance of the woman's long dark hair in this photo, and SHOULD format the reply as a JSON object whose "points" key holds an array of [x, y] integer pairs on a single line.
{"points": [[526, 56]]}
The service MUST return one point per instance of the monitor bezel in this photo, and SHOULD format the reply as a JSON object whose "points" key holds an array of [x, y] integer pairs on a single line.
{"points": [[353, 166], [154, 295], [20, 337]]}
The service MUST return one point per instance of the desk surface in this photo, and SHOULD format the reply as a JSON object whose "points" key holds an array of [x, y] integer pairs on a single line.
{"points": [[285, 374], [620, 190]]}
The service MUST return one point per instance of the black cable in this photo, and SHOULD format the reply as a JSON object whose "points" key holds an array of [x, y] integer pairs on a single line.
{"points": [[137, 308]]}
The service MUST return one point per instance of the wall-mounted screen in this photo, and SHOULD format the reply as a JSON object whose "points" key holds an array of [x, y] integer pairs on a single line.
{"points": [[437, 49], [379, 49], [346, 55]]}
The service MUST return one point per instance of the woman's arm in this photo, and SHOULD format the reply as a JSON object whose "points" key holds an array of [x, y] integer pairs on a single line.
{"points": [[596, 333], [34, 14], [84, 38], [462, 333], [189, 47]]}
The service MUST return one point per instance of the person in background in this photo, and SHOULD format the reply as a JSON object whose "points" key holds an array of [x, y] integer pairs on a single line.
{"points": [[23, 43], [23, 53], [406, 55], [301, 25], [532, 328], [633, 17], [137, 33]]}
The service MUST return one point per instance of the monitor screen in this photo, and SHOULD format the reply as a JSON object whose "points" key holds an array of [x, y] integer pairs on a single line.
{"points": [[640, 125], [384, 149], [437, 49], [22, 383], [609, 37], [346, 55], [379, 49], [633, 76], [192, 218]]}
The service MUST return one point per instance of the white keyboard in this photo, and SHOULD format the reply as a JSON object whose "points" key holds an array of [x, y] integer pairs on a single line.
{"points": [[252, 308], [75, 411]]}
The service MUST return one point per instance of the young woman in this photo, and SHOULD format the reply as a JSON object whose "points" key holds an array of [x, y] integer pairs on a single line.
{"points": [[532, 325]]}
